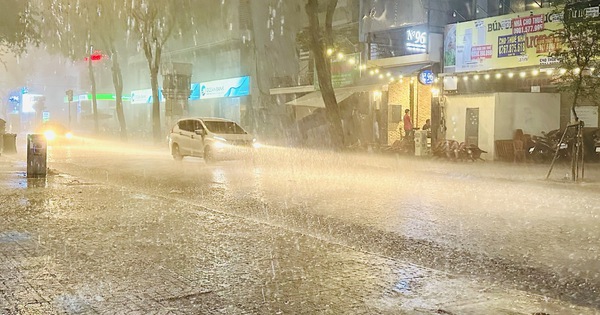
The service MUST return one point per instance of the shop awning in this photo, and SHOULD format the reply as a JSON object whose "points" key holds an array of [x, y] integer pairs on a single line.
{"points": [[315, 99]]}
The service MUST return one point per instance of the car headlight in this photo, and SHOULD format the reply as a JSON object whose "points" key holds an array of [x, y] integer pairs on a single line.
{"points": [[50, 135]]}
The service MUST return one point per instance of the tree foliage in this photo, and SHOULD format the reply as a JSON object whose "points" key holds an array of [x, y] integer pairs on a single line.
{"points": [[155, 22], [579, 54], [18, 26], [74, 29]]}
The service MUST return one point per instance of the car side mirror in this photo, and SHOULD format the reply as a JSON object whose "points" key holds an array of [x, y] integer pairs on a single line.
{"points": [[201, 132]]}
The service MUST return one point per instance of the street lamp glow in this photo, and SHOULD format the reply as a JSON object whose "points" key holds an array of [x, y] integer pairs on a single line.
{"points": [[576, 70], [535, 72], [372, 72], [562, 71], [388, 74], [381, 76], [498, 75], [522, 74], [340, 56], [465, 78], [476, 77], [329, 51], [376, 70], [351, 61], [486, 76]]}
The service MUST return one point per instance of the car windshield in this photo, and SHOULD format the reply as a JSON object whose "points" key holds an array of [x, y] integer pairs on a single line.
{"points": [[224, 127]]}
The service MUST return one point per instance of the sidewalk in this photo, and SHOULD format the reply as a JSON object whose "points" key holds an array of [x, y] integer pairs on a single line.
{"points": [[71, 246]]}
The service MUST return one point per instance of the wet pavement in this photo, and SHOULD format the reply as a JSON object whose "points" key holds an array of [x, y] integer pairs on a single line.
{"points": [[133, 232]]}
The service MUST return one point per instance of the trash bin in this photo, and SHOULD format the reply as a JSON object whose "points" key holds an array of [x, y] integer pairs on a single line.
{"points": [[9, 143], [36, 155]]}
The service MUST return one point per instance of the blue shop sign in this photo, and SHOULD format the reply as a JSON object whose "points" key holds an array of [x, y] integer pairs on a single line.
{"points": [[234, 87], [426, 77]]}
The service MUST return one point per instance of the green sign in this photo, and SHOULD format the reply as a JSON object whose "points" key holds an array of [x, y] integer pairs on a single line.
{"points": [[45, 116], [344, 71], [99, 97]]}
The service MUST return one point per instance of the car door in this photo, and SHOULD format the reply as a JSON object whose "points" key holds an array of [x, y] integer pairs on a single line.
{"points": [[185, 136], [197, 140]]}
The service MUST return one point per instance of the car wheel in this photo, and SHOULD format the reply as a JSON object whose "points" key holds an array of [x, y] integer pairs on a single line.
{"points": [[175, 152], [209, 157]]}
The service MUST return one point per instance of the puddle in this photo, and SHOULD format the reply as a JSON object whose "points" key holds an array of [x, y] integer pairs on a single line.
{"points": [[14, 236]]}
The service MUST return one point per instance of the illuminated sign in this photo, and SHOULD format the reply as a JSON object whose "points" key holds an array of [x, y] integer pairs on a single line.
{"points": [[426, 77], [144, 96], [502, 42], [234, 87], [584, 10], [28, 102], [416, 39]]}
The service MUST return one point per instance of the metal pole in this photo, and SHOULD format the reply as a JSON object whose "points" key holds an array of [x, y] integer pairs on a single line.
{"points": [[556, 153], [69, 114]]}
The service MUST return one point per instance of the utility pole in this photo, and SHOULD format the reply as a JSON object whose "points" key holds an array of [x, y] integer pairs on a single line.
{"points": [[69, 99]]}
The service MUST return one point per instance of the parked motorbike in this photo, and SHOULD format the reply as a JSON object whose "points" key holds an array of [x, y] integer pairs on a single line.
{"points": [[596, 142], [544, 148], [454, 150]]}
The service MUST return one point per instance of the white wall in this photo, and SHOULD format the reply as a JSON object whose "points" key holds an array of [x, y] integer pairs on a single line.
{"points": [[500, 114], [456, 110], [532, 112]]}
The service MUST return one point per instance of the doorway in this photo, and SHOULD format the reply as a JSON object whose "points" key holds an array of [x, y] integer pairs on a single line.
{"points": [[472, 126]]}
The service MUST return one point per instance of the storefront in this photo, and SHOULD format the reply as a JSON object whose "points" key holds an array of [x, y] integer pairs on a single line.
{"points": [[227, 98], [498, 77]]}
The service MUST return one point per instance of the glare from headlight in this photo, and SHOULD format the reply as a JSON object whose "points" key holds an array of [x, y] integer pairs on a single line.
{"points": [[256, 145], [219, 145], [69, 135], [50, 135]]}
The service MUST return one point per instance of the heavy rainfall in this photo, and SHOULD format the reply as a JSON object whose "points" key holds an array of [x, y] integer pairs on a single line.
{"points": [[299, 157]]}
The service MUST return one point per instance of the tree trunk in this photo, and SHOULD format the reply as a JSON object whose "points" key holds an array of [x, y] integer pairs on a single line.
{"points": [[118, 83], [156, 128], [94, 101], [323, 68], [154, 66]]}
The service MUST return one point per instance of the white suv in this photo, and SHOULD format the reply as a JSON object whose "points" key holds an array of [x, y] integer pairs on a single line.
{"points": [[209, 138]]}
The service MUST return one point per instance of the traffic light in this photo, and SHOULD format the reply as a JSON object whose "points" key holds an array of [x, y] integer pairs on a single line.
{"points": [[95, 56]]}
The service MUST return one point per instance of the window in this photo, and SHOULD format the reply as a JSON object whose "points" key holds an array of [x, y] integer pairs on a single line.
{"points": [[224, 127], [186, 125]]}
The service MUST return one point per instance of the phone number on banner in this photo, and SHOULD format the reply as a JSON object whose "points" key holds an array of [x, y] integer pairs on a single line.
{"points": [[511, 45]]}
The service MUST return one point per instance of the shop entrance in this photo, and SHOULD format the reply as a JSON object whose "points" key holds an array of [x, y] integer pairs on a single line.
{"points": [[472, 126]]}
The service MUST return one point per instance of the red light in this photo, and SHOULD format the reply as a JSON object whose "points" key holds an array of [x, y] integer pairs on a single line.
{"points": [[95, 56]]}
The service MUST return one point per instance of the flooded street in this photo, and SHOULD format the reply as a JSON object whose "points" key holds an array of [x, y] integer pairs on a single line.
{"points": [[238, 228]]}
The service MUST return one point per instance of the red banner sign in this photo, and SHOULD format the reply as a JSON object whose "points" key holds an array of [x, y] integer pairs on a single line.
{"points": [[481, 52], [528, 24]]}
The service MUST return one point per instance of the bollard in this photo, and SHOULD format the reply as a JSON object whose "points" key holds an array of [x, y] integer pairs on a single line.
{"points": [[36, 155], [9, 143]]}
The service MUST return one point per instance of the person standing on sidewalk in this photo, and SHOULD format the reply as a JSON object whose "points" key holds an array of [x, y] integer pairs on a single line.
{"points": [[408, 128]]}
